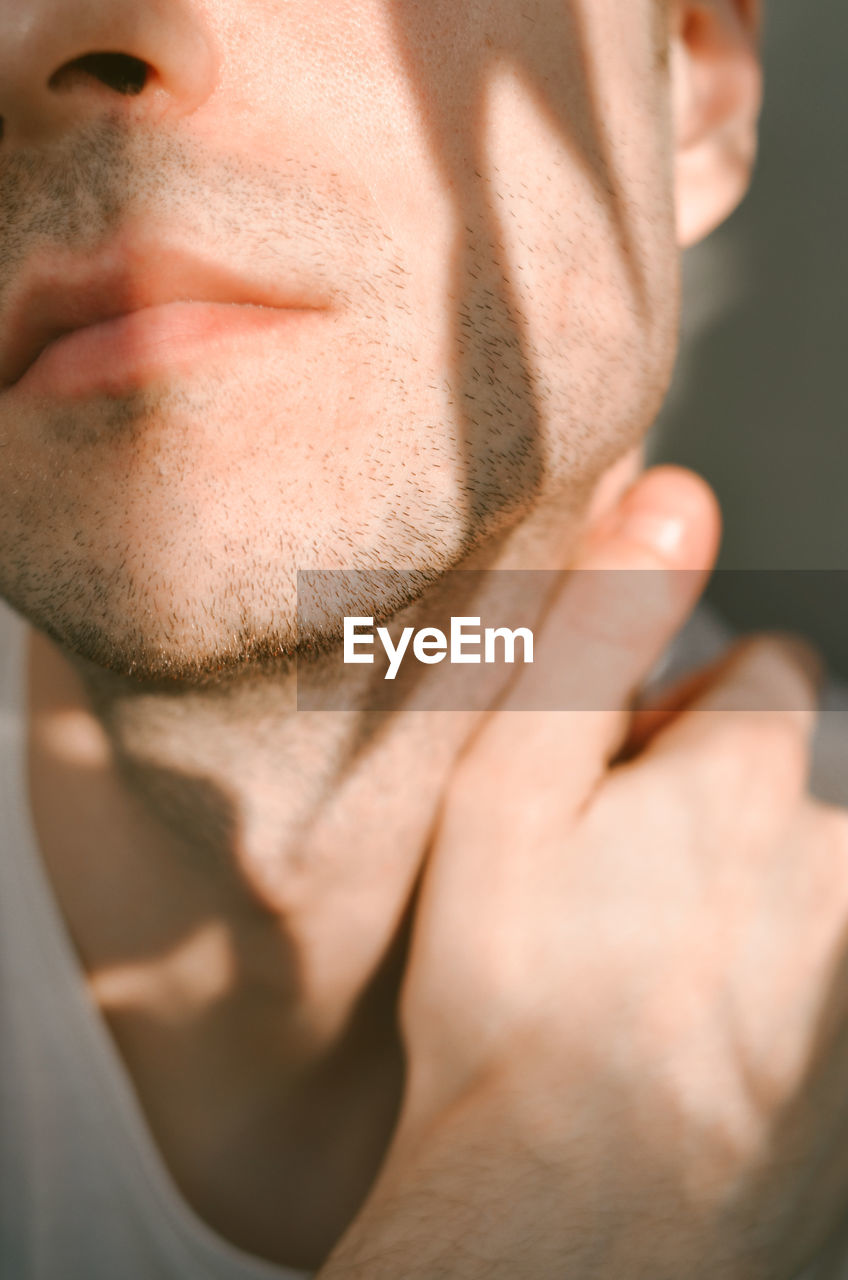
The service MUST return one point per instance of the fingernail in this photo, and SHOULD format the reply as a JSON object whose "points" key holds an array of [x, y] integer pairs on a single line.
{"points": [[664, 534]]}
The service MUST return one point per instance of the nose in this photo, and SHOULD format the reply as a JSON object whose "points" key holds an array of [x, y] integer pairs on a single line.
{"points": [[64, 61]]}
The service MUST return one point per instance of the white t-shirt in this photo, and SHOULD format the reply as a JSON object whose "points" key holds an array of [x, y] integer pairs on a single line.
{"points": [[84, 1192]]}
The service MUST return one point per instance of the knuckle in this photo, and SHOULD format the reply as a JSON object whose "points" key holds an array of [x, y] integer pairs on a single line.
{"points": [[777, 672], [784, 753], [833, 829], [749, 773], [760, 753]]}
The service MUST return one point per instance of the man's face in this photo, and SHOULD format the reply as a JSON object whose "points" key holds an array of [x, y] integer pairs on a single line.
{"points": [[456, 220]]}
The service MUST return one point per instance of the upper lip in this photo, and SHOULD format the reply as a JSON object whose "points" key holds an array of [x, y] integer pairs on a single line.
{"points": [[58, 292]]}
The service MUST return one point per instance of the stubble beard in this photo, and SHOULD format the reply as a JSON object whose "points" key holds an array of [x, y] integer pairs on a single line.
{"points": [[139, 615]]}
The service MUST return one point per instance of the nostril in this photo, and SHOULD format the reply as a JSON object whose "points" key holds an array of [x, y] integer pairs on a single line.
{"points": [[118, 71]]}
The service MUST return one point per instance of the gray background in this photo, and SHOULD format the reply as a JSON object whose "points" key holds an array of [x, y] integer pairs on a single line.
{"points": [[759, 404]]}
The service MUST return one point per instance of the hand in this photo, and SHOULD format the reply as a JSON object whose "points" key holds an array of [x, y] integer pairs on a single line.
{"points": [[626, 1004]]}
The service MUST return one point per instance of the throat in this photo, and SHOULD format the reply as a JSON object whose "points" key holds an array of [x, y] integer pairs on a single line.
{"points": [[255, 1019]]}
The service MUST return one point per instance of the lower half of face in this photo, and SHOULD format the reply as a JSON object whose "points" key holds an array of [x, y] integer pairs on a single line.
{"points": [[505, 334]]}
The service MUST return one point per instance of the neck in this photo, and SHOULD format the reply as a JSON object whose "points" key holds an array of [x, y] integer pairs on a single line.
{"points": [[241, 821], [307, 825], [238, 877]]}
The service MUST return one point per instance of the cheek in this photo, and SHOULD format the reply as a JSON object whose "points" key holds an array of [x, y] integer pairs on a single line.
{"points": [[502, 225], [592, 267]]}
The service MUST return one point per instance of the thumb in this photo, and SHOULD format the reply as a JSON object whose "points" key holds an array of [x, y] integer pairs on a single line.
{"points": [[632, 586]]}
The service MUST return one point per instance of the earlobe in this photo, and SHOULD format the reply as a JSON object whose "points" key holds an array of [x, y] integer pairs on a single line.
{"points": [[716, 97]]}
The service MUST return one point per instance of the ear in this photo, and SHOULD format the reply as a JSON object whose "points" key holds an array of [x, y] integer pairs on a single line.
{"points": [[716, 96]]}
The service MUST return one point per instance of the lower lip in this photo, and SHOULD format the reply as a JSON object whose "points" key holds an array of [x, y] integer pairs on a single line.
{"points": [[131, 351]]}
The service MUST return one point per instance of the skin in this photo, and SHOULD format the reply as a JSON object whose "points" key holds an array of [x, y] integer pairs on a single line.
{"points": [[481, 244], [629, 1058], [190, 544]]}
